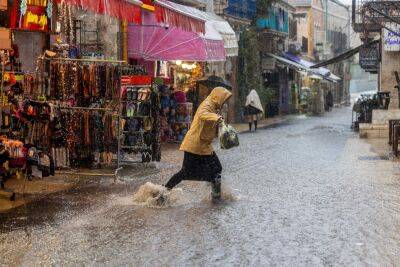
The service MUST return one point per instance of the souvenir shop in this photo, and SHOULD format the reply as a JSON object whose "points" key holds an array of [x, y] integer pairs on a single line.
{"points": [[177, 99], [84, 113], [179, 54], [72, 112]]}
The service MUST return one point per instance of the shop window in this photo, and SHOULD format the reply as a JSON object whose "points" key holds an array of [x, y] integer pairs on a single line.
{"points": [[304, 45]]}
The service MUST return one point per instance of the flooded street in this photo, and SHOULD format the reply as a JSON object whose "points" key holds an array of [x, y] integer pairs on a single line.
{"points": [[307, 192]]}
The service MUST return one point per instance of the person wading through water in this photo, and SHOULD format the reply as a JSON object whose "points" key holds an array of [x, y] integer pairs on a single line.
{"points": [[253, 109], [200, 162]]}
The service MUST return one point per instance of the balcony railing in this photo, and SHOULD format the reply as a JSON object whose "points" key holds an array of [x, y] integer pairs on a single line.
{"points": [[369, 16]]}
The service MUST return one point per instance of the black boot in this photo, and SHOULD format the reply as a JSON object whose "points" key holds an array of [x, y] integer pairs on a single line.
{"points": [[216, 188], [250, 126], [255, 125]]}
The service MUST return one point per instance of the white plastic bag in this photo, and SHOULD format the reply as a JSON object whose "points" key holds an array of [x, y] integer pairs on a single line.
{"points": [[228, 137]]}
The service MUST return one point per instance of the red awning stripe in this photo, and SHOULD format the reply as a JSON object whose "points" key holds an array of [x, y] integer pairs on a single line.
{"points": [[119, 9], [178, 19]]}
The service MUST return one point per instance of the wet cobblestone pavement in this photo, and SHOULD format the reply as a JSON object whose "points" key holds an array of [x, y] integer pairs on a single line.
{"points": [[309, 193]]}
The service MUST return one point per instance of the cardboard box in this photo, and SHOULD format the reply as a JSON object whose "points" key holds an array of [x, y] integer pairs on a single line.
{"points": [[5, 44], [5, 40], [3, 4]]}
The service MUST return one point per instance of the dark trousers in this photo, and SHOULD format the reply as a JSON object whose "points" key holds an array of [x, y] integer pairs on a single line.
{"points": [[205, 168], [255, 125]]}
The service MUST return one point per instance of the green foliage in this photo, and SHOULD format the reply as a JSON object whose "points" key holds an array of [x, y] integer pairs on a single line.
{"points": [[249, 71], [249, 74], [266, 95]]}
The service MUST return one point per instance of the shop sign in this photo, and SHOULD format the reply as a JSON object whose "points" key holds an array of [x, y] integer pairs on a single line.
{"points": [[268, 63], [369, 57], [35, 14], [136, 80], [148, 5], [391, 40]]}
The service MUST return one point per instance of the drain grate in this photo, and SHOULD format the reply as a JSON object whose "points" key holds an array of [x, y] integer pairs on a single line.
{"points": [[374, 158]]}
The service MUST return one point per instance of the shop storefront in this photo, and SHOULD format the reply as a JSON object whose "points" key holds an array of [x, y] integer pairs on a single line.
{"points": [[62, 109], [179, 55]]}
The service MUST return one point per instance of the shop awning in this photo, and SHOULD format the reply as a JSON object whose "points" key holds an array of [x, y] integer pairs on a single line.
{"points": [[152, 41], [334, 77], [120, 9], [309, 66], [227, 33], [192, 19], [321, 71], [175, 15], [289, 62], [168, 44]]}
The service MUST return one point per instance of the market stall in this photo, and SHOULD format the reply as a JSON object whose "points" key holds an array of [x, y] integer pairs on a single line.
{"points": [[139, 122]]}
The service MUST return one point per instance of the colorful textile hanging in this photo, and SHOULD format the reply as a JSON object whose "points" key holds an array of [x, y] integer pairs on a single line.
{"points": [[119, 9]]}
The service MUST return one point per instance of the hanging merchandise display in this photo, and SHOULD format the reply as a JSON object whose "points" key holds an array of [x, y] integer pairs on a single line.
{"points": [[70, 114], [81, 112], [176, 115], [139, 119], [13, 126]]}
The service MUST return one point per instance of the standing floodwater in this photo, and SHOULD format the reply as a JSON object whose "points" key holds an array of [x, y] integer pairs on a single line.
{"points": [[310, 192]]}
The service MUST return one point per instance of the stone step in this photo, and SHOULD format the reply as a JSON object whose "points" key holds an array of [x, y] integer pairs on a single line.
{"points": [[374, 131]]}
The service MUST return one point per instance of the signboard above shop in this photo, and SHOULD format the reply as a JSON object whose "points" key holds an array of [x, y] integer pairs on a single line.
{"points": [[391, 39], [369, 57], [33, 15]]}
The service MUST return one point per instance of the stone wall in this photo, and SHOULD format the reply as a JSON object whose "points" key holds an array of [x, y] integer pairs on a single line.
{"points": [[30, 46], [108, 29]]}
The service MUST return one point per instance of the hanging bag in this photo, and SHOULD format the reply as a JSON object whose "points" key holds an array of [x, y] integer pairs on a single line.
{"points": [[228, 136]]}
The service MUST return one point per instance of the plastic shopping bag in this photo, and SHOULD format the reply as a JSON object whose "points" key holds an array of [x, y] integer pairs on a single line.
{"points": [[228, 137]]}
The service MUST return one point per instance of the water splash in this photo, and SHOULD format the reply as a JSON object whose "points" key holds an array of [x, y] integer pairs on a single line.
{"points": [[149, 194]]}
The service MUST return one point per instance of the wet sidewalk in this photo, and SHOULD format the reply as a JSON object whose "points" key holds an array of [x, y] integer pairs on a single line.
{"points": [[244, 127]]}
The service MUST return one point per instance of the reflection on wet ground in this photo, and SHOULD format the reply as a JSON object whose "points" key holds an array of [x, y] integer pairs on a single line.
{"points": [[309, 192]]}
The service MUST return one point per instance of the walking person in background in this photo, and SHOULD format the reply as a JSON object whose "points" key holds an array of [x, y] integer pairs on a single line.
{"points": [[253, 109], [329, 100], [200, 162]]}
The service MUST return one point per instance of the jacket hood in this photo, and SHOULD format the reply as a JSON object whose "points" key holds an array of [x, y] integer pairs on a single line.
{"points": [[254, 100], [219, 96]]}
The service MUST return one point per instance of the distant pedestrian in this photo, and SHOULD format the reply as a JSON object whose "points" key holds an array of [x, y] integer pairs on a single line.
{"points": [[253, 109], [329, 100], [200, 162]]}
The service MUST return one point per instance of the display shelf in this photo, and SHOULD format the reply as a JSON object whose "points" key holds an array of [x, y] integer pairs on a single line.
{"points": [[134, 85], [133, 117]]}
